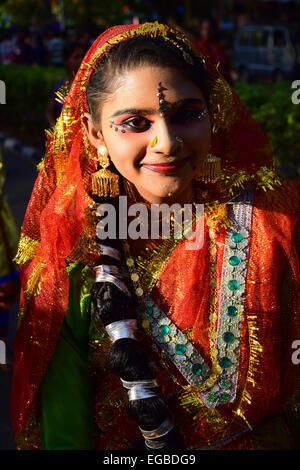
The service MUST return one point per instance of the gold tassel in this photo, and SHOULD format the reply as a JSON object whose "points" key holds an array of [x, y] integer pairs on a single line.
{"points": [[210, 169], [104, 182]]}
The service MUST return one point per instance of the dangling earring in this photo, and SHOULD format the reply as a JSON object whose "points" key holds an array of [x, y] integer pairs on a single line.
{"points": [[104, 182], [210, 169]]}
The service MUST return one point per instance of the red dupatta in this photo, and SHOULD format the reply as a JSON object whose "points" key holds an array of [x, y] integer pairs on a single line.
{"points": [[58, 227]]}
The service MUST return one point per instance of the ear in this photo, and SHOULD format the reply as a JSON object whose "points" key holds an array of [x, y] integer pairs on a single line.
{"points": [[93, 133]]}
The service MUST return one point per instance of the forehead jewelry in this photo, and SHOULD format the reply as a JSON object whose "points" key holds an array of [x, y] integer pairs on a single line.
{"points": [[202, 114], [161, 99]]}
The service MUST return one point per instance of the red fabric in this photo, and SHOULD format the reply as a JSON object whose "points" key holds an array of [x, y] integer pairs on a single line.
{"points": [[217, 53], [272, 304], [55, 218], [187, 299]]}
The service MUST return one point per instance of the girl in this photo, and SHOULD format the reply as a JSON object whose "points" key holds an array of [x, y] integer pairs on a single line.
{"points": [[138, 342]]}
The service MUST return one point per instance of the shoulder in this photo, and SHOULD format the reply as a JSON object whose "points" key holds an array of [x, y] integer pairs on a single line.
{"points": [[283, 199]]}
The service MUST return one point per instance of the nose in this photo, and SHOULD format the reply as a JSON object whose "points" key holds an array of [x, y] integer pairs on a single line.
{"points": [[167, 142]]}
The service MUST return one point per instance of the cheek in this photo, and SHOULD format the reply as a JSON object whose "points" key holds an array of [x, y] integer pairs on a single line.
{"points": [[125, 150]]}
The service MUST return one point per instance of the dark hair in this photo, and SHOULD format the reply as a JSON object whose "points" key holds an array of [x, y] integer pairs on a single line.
{"points": [[127, 357], [137, 52]]}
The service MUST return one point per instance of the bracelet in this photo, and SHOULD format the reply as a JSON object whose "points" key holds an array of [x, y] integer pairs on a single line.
{"points": [[102, 276], [162, 430], [148, 383], [105, 268], [122, 329], [151, 444], [139, 392], [108, 251]]}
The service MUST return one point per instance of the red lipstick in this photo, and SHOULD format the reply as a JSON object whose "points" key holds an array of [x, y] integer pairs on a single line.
{"points": [[170, 167]]}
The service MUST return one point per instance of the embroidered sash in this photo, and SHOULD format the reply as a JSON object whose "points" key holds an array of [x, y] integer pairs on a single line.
{"points": [[175, 344]]}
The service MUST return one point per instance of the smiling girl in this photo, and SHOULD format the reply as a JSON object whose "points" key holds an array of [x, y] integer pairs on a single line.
{"points": [[142, 343], [172, 164]]}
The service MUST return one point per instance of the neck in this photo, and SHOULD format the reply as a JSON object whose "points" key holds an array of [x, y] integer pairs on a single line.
{"points": [[135, 195]]}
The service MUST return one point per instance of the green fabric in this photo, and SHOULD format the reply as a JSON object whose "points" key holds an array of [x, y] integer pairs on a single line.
{"points": [[66, 393]]}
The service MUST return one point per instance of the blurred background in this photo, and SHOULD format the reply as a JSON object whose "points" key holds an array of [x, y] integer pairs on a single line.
{"points": [[256, 42], [42, 42]]}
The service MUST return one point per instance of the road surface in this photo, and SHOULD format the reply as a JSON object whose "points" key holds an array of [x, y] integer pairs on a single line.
{"points": [[20, 176]]}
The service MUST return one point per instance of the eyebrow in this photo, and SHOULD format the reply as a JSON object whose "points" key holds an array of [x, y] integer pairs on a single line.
{"points": [[188, 101], [153, 111], [134, 111]]}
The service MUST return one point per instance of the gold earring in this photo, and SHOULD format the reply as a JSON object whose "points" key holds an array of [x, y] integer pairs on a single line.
{"points": [[210, 169], [104, 182]]}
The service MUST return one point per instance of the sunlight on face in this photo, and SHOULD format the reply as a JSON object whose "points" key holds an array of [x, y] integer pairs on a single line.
{"points": [[158, 154]]}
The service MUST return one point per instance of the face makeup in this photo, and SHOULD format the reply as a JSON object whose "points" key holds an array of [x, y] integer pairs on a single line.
{"points": [[158, 154], [161, 99], [170, 167], [116, 127]]}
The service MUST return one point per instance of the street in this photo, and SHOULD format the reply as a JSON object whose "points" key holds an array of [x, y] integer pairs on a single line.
{"points": [[20, 176]]}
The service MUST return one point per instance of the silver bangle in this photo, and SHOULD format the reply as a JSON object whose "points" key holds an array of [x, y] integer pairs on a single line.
{"points": [[161, 431], [102, 276], [122, 329], [147, 383], [138, 392], [150, 444], [108, 251], [105, 268]]}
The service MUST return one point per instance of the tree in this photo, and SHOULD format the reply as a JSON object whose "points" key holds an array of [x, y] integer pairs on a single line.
{"points": [[78, 13], [25, 12]]}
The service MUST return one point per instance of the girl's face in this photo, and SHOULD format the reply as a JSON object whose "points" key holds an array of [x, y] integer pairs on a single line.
{"points": [[159, 154]]}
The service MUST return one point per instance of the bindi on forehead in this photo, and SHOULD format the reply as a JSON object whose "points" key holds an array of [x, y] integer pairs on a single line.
{"points": [[152, 98], [152, 111], [161, 99]]}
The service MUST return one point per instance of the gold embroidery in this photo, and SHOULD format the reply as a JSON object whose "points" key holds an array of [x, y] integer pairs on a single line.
{"points": [[33, 288], [26, 249], [222, 105], [255, 350]]}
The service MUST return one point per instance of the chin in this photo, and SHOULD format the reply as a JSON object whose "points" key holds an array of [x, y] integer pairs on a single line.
{"points": [[168, 194], [162, 188], [172, 184]]}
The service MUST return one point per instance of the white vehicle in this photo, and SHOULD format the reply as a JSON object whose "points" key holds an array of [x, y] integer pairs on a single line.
{"points": [[264, 50]]}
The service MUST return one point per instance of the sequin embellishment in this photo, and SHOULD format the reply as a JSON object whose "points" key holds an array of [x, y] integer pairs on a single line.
{"points": [[176, 345]]}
